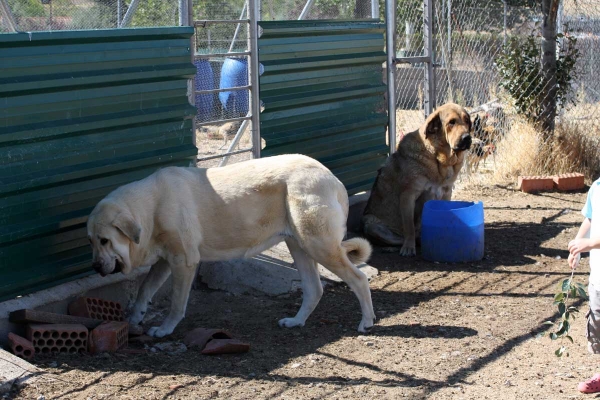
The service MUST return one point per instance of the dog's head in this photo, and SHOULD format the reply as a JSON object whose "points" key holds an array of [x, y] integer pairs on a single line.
{"points": [[448, 130], [111, 231]]}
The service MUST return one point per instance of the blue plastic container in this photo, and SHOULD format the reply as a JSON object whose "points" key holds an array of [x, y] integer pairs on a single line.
{"points": [[234, 73], [452, 231], [205, 80]]}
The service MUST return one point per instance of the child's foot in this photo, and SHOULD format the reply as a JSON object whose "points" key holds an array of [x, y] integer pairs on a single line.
{"points": [[592, 385]]}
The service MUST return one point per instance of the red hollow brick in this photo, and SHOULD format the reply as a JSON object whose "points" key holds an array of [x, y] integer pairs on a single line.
{"points": [[109, 337], [90, 307], [573, 181], [55, 338], [21, 347], [531, 184]]}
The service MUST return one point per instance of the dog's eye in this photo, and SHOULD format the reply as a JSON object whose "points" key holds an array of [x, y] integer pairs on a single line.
{"points": [[103, 241], [452, 122]]}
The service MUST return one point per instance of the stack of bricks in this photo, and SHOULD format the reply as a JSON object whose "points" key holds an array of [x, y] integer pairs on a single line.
{"points": [[46, 335], [562, 182]]}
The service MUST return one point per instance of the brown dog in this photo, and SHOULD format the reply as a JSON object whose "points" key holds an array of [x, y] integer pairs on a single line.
{"points": [[424, 167]]}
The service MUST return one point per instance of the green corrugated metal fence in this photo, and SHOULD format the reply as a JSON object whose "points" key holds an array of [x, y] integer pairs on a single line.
{"points": [[81, 113], [323, 94]]}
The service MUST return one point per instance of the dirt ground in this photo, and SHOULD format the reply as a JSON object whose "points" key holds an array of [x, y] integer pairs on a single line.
{"points": [[445, 331]]}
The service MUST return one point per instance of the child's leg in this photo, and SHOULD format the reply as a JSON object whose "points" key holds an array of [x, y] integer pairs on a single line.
{"points": [[593, 320]]}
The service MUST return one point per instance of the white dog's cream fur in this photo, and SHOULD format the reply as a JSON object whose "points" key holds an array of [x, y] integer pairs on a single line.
{"points": [[177, 217]]}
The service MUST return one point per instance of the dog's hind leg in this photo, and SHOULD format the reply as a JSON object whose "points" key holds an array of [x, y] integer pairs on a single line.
{"points": [[157, 276], [338, 263], [311, 284], [183, 277]]}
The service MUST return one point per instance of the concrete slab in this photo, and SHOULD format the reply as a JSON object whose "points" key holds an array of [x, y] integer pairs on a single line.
{"points": [[15, 371]]}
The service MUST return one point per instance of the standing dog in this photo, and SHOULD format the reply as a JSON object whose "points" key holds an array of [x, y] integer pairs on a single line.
{"points": [[424, 167], [179, 216]]}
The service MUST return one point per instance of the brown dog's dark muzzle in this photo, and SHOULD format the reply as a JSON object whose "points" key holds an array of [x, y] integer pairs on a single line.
{"points": [[464, 143]]}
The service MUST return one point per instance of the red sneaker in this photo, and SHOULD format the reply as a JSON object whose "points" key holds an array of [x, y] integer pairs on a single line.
{"points": [[592, 385]]}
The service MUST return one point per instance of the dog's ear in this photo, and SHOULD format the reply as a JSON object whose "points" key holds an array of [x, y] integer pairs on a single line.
{"points": [[433, 124], [127, 225]]}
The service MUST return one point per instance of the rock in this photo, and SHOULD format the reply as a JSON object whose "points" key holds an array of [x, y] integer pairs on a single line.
{"points": [[370, 344], [41, 397], [170, 347], [177, 386], [296, 365]]}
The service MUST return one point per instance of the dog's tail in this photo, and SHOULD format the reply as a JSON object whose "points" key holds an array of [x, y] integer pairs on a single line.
{"points": [[358, 250]]}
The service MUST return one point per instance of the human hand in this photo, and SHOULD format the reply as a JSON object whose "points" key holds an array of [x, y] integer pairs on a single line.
{"points": [[574, 260], [582, 245]]}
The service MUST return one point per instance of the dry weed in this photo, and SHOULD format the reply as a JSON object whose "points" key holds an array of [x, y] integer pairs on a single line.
{"points": [[523, 151]]}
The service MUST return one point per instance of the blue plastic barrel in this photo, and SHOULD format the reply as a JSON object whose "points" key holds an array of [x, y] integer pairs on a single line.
{"points": [[234, 73], [205, 80], [452, 231]]}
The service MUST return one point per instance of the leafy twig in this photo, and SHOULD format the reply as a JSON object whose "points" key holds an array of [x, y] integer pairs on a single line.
{"points": [[567, 288]]}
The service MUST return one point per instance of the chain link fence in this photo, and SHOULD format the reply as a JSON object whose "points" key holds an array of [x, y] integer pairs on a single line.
{"points": [[472, 39], [50, 15]]}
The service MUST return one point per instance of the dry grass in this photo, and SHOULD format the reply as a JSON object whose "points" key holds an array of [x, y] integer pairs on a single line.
{"points": [[524, 151]]}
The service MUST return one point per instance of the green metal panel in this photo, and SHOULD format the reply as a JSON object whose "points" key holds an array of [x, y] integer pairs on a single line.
{"points": [[81, 113], [323, 95]]}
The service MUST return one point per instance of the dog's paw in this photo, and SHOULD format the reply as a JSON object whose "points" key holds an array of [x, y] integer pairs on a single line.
{"points": [[136, 317], [365, 325], [159, 331], [290, 323], [408, 251]]}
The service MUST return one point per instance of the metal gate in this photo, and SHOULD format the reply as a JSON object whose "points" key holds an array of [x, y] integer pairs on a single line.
{"points": [[225, 85]]}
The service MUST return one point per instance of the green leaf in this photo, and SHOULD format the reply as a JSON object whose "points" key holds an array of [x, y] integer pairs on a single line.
{"points": [[582, 293], [573, 309], [559, 297], [565, 285], [573, 292], [569, 338], [562, 308], [540, 335], [559, 352], [548, 323], [553, 336], [566, 315]]}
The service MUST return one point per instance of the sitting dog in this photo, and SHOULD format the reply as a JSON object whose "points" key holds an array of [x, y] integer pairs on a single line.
{"points": [[177, 217], [424, 167]]}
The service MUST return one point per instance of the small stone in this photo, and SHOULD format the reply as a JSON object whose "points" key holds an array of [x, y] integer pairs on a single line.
{"points": [[557, 258], [173, 387], [455, 353], [296, 365], [41, 397], [170, 347], [508, 383], [370, 344]]}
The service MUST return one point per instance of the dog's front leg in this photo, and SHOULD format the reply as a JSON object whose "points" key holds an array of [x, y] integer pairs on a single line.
{"points": [[407, 211], [183, 277], [158, 274]]}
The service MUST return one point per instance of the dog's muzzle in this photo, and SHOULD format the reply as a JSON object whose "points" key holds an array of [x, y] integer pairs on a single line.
{"points": [[464, 143]]}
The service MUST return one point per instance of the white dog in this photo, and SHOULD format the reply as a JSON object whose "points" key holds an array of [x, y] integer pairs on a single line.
{"points": [[177, 217]]}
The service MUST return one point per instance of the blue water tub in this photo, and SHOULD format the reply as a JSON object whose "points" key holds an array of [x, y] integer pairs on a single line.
{"points": [[452, 231], [205, 80]]}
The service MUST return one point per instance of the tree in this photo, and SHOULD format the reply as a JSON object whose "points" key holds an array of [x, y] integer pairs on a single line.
{"points": [[549, 32]]}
